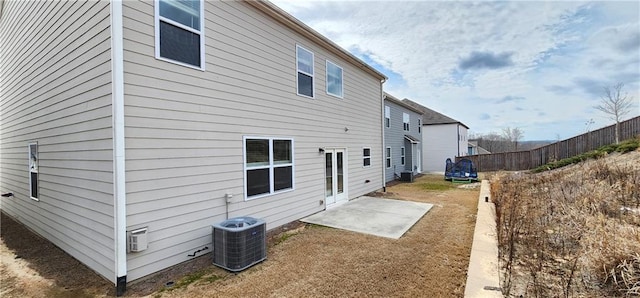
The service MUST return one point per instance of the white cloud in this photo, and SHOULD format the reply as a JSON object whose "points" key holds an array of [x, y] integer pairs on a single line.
{"points": [[553, 54]]}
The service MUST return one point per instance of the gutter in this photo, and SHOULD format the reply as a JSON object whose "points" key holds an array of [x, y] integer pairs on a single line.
{"points": [[291, 22], [119, 182]]}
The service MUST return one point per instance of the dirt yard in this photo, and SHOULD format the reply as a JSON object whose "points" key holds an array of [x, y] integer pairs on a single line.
{"points": [[431, 259]]}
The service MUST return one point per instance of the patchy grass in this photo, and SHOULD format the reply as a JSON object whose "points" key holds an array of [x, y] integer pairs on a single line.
{"points": [[284, 236], [205, 276], [432, 182]]}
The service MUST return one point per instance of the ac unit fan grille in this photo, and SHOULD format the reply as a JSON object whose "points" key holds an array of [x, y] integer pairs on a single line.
{"points": [[238, 249]]}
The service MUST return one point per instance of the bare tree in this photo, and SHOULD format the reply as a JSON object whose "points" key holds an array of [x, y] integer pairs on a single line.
{"points": [[615, 104], [513, 136], [506, 141], [492, 141]]}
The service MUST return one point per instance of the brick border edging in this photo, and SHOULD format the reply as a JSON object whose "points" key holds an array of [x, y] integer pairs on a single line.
{"points": [[483, 275]]}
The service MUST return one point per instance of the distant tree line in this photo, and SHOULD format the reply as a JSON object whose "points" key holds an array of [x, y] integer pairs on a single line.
{"points": [[615, 103], [508, 140]]}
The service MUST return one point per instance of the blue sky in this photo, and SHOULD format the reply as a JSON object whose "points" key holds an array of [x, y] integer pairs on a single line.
{"points": [[538, 66]]}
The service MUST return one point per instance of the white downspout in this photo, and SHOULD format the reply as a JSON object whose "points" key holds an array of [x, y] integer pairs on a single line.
{"points": [[119, 193], [384, 178]]}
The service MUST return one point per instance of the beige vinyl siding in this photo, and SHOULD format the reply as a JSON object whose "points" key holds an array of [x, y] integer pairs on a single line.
{"points": [[56, 91], [185, 128]]}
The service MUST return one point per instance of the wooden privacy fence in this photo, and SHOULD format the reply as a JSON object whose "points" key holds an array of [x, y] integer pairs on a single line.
{"points": [[525, 160]]}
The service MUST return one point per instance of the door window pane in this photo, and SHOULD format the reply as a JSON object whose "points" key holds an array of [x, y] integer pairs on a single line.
{"points": [[340, 170], [329, 174]]}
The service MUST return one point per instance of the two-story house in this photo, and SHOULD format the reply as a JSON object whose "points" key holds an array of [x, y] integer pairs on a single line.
{"points": [[168, 116], [474, 149], [443, 137], [402, 139]]}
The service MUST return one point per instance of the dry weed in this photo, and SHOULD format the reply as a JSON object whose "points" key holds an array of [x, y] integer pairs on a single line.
{"points": [[574, 231]]}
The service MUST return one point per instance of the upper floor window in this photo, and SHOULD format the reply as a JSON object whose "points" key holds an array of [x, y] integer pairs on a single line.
{"points": [[387, 116], [405, 121], [334, 79], [180, 32], [304, 62], [419, 125], [268, 166]]}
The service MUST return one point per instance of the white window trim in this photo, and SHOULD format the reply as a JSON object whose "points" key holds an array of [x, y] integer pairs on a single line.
{"points": [[36, 170], [388, 158], [200, 32], [341, 79], [366, 157], [271, 166], [402, 156], [387, 115], [312, 75]]}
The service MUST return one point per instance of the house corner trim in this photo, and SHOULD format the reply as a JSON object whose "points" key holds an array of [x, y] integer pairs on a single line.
{"points": [[119, 193]]}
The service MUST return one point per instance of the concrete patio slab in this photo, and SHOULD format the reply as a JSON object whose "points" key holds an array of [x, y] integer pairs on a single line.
{"points": [[375, 216]]}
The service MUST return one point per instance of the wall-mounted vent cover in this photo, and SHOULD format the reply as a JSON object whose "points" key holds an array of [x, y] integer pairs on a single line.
{"points": [[239, 243], [138, 240]]}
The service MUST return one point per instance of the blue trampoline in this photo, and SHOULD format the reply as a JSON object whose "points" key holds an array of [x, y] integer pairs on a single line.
{"points": [[461, 170]]}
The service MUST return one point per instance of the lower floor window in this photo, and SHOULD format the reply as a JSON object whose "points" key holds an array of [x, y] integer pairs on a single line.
{"points": [[366, 157], [388, 157], [33, 171], [268, 165]]}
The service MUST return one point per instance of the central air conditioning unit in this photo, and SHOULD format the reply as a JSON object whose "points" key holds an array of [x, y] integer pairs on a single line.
{"points": [[406, 176], [239, 243]]}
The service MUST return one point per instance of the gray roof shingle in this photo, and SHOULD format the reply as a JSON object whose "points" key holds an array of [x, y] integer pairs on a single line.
{"points": [[431, 117]]}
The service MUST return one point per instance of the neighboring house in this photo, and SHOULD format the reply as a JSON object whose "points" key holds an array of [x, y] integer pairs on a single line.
{"points": [[402, 138], [442, 137], [474, 149], [172, 116]]}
